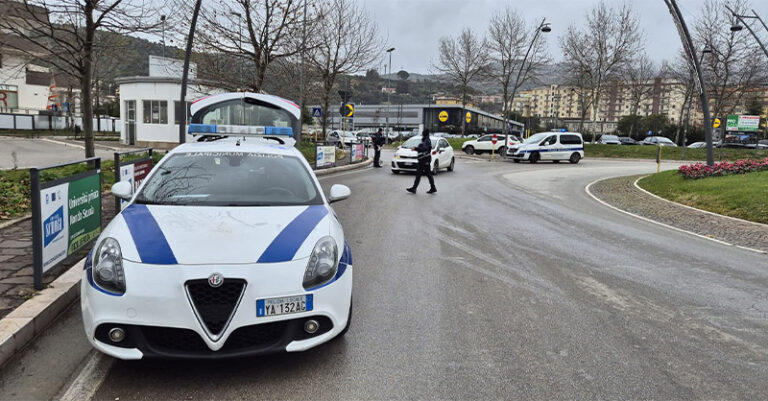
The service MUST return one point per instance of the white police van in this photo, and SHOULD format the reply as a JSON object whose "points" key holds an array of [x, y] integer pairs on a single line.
{"points": [[228, 248], [554, 146]]}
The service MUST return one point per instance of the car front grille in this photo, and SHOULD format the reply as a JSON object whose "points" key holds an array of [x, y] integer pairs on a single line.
{"points": [[258, 335], [174, 339], [407, 165], [215, 305]]}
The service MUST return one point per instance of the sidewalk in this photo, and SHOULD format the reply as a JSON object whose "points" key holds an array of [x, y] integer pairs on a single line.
{"points": [[16, 277], [621, 193]]}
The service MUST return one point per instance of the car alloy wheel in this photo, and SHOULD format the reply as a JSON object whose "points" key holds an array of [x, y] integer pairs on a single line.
{"points": [[574, 158], [470, 150], [534, 157], [450, 167]]}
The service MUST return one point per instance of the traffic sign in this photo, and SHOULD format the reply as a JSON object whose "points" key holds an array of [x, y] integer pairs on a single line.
{"points": [[317, 112], [468, 117], [650, 133], [347, 110], [443, 116], [716, 124], [494, 139]]}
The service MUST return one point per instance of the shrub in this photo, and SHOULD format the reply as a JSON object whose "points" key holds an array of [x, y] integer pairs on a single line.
{"points": [[700, 170]]}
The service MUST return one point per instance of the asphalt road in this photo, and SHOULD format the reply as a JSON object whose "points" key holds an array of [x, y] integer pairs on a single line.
{"points": [[26, 153], [509, 283]]}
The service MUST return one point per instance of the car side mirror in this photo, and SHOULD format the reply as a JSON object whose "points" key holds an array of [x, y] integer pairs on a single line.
{"points": [[123, 190], [339, 192]]}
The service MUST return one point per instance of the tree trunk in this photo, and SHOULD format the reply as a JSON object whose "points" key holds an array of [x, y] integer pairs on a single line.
{"points": [[595, 107], [85, 83]]}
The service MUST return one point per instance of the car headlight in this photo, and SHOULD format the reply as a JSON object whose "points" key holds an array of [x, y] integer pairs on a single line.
{"points": [[322, 264], [108, 270]]}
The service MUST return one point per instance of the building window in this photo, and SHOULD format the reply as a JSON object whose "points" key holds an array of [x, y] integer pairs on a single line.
{"points": [[177, 112], [155, 112]]}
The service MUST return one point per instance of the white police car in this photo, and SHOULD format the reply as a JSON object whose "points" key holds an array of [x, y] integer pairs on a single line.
{"points": [[228, 248]]}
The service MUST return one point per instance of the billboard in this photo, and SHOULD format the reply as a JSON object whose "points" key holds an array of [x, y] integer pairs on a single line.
{"points": [[742, 123], [325, 156], [135, 173], [357, 153]]}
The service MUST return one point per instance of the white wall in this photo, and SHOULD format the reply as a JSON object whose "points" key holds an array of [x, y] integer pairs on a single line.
{"points": [[169, 92], [13, 72]]}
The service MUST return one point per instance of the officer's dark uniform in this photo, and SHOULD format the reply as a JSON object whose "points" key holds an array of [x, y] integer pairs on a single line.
{"points": [[423, 168], [378, 142]]}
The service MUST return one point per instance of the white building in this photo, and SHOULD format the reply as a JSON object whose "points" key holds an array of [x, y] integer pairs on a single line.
{"points": [[150, 107]]}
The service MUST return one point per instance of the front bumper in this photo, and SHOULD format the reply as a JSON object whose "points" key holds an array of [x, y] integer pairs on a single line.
{"points": [[520, 156], [405, 164], [160, 321]]}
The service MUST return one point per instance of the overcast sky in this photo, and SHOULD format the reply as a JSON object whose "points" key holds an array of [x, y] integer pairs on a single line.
{"points": [[414, 27]]}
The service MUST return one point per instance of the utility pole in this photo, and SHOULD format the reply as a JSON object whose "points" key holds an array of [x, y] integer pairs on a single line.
{"points": [[301, 74], [162, 20], [685, 37], [390, 50], [737, 27], [185, 73]]}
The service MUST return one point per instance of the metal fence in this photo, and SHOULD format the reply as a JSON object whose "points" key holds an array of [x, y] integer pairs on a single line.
{"points": [[44, 122]]}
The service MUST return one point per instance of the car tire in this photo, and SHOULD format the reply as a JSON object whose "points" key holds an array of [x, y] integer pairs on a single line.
{"points": [[501, 151], [435, 169], [470, 150], [349, 321], [575, 157], [453, 161], [534, 157]]}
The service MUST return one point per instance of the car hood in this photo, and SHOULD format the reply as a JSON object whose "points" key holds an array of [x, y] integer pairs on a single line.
{"points": [[195, 235], [406, 152]]}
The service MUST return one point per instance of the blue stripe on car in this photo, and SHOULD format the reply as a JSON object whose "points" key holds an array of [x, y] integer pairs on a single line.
{"points": [[150, 241], [284, 247], [549, 150], [344, 262]]}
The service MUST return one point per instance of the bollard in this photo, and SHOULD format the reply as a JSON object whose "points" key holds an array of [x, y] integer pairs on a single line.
{"points": [[658, 159]]}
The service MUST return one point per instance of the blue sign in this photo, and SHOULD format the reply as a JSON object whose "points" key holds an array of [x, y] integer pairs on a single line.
{"points": [[317, 112], [650, 133], [562, 130], [53, 225]]}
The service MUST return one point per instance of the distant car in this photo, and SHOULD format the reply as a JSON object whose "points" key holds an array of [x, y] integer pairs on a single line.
{"points": [[697, 145], [555, 146], [762, 144], [625, 140], [485, 144], [363, 137], [406, 159], [609, 140], [658, 140], [348, 137]]}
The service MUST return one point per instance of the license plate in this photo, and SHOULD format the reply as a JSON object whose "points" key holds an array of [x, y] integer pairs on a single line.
{"points": [[283, 305]]}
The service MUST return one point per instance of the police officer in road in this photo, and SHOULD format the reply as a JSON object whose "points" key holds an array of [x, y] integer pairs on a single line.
{"points": [[378, 142], [424, 167]]}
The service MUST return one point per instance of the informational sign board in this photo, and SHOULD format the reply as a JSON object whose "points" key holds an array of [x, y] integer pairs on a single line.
{"points": [[317, 112], [66, 217], [326, 156], [742, 123], [357, 153], [135, 173]]}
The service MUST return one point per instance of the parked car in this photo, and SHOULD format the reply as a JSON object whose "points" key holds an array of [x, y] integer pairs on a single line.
{"points": [[658, 140], [485, 144], [363, 137], [625, 140], [555, 146], [697, 145], [336, 137], [406, 159], [609, 140]]}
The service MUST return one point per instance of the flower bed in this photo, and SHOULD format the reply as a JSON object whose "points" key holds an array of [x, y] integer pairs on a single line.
{"points": [[700, 170]]}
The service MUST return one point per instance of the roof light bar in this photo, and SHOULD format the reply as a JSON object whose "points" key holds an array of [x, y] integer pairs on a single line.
{"points": [[244, 130]]}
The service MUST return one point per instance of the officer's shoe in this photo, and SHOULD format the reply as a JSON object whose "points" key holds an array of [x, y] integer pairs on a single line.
{"points": [[432, 190], [411, 190]]}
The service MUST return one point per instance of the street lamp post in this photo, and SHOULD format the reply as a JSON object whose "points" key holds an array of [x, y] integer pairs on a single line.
{"points": [[543, 27], [162, 20], [685, 36], [737, 27], [390, 50]]}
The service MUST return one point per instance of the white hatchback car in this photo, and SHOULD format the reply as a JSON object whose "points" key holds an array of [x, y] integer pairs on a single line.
{"points": [[228, 248], [406, 159], [554, 146]]}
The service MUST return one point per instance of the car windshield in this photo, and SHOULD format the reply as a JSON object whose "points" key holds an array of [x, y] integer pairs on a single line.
{"points": [[230, 179], [537, 137], [415, 141]]}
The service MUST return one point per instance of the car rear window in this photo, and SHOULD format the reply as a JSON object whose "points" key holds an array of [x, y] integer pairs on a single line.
{"points": [[230, 179], [570, 140]]}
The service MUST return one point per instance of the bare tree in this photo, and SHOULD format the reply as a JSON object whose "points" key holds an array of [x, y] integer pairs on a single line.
{"points": [[65, 33], [638, 76], [509, 38], [463, 59], [262, 31], [347, 42], [685, 84], [600, 51], [735, 66]]}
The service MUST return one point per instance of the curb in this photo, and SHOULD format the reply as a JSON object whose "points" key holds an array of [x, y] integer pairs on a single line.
{"points": [[74, 145], [646, 219], [32, 317], [327, 171], [11, 222]]}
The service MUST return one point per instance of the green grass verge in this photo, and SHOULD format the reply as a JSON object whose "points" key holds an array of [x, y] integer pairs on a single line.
{"points": [[742, 195], [15, 187], [670, 153]]}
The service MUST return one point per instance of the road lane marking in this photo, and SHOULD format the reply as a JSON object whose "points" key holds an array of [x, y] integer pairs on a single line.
{"points": [[662, 224], [93, 373]]}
